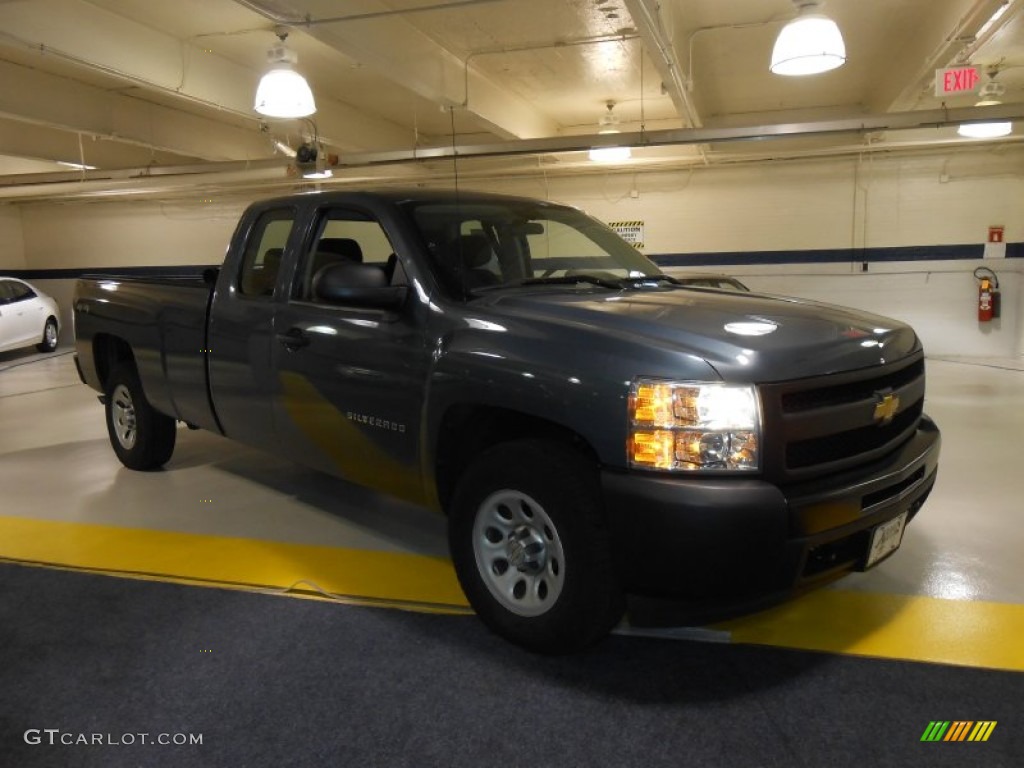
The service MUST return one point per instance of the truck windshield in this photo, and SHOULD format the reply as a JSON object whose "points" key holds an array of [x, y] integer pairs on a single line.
{"points": [[485, 245]]}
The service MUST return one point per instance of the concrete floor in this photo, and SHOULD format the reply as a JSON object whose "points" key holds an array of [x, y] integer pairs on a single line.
{"points": [[226, 511]]}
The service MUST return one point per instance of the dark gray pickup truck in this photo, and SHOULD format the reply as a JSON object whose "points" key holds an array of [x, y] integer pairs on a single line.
{"points": [[592, 429]]}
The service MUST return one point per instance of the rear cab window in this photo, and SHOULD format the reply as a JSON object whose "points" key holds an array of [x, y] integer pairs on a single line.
{"points": [[261, 261]]}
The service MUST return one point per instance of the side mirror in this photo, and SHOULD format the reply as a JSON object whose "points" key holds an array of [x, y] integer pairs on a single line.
{"points": [[357, 285]]}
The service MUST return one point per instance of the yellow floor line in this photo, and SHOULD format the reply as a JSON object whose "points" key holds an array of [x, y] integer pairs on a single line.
{"points": [[389, 576], [965, 632], [970, 633]]}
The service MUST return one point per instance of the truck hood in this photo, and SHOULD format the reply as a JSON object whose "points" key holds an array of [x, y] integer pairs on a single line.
{"points": [[744, 336]]}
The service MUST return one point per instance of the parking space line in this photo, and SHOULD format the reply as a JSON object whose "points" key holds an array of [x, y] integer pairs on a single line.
{"points": [[907, 627], [351, 573], [972, 633]]}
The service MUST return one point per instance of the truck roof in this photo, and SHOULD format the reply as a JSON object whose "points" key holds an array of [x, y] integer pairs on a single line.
{"points": [[395, 195]]}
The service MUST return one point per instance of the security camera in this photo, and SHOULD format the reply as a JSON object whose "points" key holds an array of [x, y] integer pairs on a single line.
{"points": [[306, 153]]}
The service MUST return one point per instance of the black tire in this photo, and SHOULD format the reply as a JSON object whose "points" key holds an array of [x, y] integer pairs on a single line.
{"points": [[529, 540], [49, 341], [142, 438]]}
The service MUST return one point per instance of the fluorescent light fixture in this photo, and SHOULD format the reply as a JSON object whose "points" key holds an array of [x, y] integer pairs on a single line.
{"points": [[324, 174], [990, 93], [993, 19], [610, 154], [77, 166], [985, 130], [282, 91], [808, 45], [609, 123]]}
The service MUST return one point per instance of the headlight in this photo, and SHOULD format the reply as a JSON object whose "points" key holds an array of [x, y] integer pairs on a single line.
{"points": [[684, 426]]}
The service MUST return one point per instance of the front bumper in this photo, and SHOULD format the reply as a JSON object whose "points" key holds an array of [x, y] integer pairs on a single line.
{"points": [[712, 543]]}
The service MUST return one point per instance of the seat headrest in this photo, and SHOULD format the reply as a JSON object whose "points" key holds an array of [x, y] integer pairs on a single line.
{"points": [[272, 259], [341, 246], [473, 250]]}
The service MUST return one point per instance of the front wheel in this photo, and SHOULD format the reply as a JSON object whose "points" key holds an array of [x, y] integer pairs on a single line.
{"points": [[528, 538], [49, 340], [142, 437]]}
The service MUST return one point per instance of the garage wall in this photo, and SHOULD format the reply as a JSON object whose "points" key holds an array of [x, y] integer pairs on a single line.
{"points": [[839, 214], [12, 244], [122, 234], [126, 234], [803, 228]]}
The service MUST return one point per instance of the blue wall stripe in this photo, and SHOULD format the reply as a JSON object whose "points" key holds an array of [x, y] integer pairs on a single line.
{"points": [[833, 256]]}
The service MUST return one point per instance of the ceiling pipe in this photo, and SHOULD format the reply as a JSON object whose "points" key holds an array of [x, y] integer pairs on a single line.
{"points": [[197, 177], [46, 50], [571, 43], [949, 50], [108, 176], [647, 17], [935, 118], [309, 21], [1013, 8], [692, 39], [254, 186]]}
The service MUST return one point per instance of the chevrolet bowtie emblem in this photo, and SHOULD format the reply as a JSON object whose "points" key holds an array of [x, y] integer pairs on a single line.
{"points": [[886, 407]]}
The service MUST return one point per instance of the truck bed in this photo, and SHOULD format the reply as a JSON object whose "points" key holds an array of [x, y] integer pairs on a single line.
{"points": [[164, 321]]}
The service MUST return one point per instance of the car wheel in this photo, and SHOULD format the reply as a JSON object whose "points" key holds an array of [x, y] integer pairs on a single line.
{"points": [[530, 545], [49, 342], [142, 437]]}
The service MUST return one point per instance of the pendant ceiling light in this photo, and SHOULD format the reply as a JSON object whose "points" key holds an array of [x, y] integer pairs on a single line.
{"points": [[609, 123], [990, 94], [282, 91], [808, 45]]}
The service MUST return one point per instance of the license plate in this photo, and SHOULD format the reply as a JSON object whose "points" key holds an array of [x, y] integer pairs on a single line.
{"points": [[885, 539]]}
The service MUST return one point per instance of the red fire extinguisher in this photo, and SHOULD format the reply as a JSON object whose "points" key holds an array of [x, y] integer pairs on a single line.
{"points": [[988, 294]]}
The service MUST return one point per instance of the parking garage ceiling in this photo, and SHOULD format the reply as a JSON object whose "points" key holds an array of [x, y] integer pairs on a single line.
{"points": [[134, 89]]}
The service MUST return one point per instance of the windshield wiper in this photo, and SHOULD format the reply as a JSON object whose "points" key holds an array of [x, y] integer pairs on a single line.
{"points": [[604, 282], [636, 282]]}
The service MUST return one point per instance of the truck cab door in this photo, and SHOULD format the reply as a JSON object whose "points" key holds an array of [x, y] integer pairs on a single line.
{"points": [[242, 381], [350, 378]]}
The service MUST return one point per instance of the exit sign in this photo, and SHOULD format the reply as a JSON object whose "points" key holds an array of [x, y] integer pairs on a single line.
{"points": [[954, 80]]}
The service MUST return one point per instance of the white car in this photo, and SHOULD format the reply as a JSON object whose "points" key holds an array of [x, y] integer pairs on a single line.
{"points": [[27, 316]]}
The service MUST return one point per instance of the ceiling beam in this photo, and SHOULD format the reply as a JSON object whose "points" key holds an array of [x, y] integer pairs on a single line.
{"points": [[657, 42], [36, 143], [862, 124], [422, 165], [105, 43], [412, 60], [41, 99], [941, 36]]}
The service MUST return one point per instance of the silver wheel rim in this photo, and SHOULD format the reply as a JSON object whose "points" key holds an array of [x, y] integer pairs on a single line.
{"points": [[122, 417], [518, 553], [50, 335]]}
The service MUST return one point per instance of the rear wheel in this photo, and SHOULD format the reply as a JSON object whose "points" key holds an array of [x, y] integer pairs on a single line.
{"points": [[49, 342], [530, 546], [142, 437]]}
